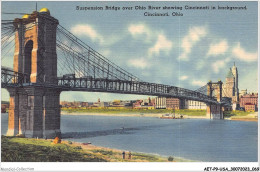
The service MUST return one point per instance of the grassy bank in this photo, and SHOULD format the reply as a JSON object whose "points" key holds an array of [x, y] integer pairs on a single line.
{"points": [[31, 150], [115, 111], [241, 116], [236, 113], [16, 149], [189, 112]]}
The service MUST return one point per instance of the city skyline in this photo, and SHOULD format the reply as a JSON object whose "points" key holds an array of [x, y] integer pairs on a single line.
{"points": [[191, 49]]}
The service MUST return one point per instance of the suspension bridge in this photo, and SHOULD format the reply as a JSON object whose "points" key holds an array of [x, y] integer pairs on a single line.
{"points": [[48, 59]]}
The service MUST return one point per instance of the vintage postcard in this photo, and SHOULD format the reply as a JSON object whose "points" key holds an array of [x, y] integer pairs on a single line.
{"points": [[174, 82]]}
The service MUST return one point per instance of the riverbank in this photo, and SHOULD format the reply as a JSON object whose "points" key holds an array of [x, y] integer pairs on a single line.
{"points": [[107, 110], [158, 115], [15, 149], [113, 114], [249, 117], [245, 116]]}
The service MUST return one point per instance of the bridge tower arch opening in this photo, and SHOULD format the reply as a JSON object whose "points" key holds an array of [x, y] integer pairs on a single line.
{"points": [[34, 107], [28, 60]]}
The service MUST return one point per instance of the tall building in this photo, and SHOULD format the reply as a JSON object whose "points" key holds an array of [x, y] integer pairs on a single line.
{"points": [[230, 87], [235, 73]]}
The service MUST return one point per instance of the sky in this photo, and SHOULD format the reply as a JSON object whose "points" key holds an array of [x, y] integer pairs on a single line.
{"points": [[185, 51]]}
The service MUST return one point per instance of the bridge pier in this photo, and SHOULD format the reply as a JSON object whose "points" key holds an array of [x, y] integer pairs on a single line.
{"points": [[13, 113], [214, 112], [34, 112], [51, 113]]}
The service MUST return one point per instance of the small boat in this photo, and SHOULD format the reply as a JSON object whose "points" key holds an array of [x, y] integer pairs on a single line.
{"points": [[168, 116], [86, 143]]}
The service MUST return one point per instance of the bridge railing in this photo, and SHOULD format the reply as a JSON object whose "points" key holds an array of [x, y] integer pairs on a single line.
{"points": [[130, 87], [10, 78]]}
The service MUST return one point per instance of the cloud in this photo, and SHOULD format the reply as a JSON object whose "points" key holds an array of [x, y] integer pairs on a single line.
{"points": [[162, 44], [216, 66], [138, 63], [194, 35], [148, 35], [139, 30], [89, 31], [218, 48], [198, 83], [243, 55], [184, 77], [142, 32], [136, 29]]}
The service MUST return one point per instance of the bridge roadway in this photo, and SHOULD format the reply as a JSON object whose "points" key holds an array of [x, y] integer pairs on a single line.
{"points": [[9, 78]]}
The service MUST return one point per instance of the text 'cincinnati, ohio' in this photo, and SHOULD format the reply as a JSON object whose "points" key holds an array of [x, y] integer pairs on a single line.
{"points": [[163, 14]]}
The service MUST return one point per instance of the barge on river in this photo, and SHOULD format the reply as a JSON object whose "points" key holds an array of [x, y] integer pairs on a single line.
{"points": [[168, 116]]}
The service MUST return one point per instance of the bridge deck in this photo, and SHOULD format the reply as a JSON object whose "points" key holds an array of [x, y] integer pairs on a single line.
{"points": [[10, 78]]}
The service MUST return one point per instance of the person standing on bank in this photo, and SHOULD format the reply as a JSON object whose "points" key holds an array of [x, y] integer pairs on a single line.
{"points": [[130, 155], [123, 154]]}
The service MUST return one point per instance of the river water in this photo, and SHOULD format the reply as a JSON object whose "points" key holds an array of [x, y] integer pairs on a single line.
{"points": [[194, 139]]}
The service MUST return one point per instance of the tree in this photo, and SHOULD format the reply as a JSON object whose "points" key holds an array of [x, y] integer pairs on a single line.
{"points": [[170, 158]]}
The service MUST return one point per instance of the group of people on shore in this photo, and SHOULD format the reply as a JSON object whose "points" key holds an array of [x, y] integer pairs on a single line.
{"points": [[129, 155]]}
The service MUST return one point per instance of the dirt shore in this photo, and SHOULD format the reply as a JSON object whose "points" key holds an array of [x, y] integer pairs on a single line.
{"points": [[19, 149], [115, 114], [245, 119], [116, 154], [157, 115], [250, 117]]}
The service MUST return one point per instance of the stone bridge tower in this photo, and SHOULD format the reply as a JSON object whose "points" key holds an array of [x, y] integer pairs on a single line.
{"points": [[34, 108], [215, 111]]}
